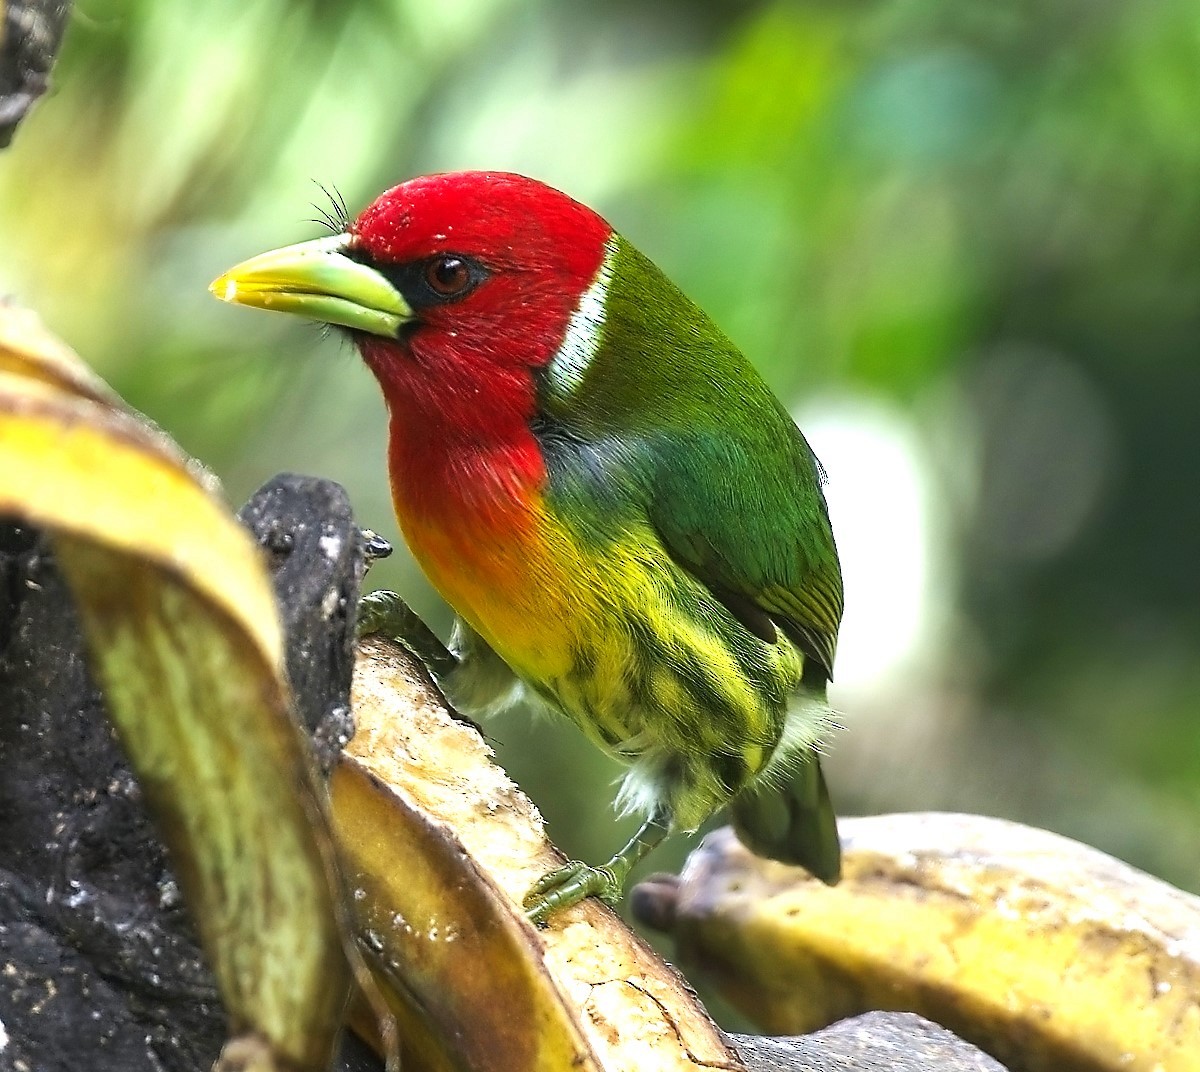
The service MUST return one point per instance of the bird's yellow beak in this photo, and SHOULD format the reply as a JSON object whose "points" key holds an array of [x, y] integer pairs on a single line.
{"points": [[319, 281]]}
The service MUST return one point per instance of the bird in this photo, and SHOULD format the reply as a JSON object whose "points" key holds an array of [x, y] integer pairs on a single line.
{"points": [[629, 526]]}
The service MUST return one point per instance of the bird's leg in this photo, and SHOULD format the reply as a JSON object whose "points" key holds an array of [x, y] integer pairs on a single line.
{"points": [[386, 613], [570, 884]]}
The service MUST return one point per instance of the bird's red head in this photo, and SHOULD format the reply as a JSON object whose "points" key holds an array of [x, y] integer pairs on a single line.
{"points": [[492, 266], [455, 288]]}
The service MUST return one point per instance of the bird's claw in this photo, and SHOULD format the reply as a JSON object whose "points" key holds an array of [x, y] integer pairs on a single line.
{"points": [[567, 886], [386, 613], [374, 612]]}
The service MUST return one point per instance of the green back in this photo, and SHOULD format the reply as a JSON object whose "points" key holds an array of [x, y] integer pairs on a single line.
{"points": [[700, 443]]}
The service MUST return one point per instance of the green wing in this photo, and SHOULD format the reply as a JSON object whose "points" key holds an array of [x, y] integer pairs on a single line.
{"points": [[742, 510], [670, 405]]}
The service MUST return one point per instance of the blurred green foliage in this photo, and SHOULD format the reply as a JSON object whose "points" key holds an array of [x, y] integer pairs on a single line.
{"points": [[981, 216]]}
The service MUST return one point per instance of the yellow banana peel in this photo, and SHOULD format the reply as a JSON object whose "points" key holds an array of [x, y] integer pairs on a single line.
{"points": [[183, 636], [1048, 954], [439, 847]]}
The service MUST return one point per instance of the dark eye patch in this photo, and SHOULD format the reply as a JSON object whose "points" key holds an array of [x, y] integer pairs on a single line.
{"points": [[424, 283]]}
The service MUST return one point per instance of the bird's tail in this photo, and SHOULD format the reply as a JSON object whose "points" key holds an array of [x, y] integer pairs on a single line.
{"points": [[790, 819]]}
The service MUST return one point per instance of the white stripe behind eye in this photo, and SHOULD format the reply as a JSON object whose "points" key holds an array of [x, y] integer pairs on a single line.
{"points": [[585, 329]]}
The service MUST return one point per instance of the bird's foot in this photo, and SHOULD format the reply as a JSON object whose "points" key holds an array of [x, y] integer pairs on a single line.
{"points": [[570, 884], [386, 614]]}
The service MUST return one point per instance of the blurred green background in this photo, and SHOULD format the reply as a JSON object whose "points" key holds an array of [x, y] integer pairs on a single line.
{"points": [[961, 238]]}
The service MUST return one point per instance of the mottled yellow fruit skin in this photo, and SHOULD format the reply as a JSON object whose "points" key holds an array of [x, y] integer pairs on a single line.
{"points": [[438, 848], [1046, 953], [184, 639]]}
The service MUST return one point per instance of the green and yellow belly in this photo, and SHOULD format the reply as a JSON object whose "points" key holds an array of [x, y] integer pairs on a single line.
{"points": [[628, 645]]}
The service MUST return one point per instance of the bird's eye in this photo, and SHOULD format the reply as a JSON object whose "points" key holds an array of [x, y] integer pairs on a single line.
{"points": [[448, 276]]}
